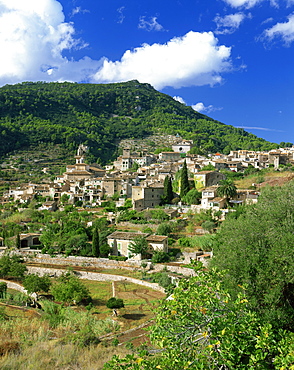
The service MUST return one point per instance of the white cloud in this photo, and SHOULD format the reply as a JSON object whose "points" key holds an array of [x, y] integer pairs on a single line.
{"points": [[283, 30], [33, 36], [251, 3], [150, 25], [268, 20], [229, 23], [201, 108], [121, 14], [258, 128], [194, 59], [78, 10], [179, 99], [242, 3]]}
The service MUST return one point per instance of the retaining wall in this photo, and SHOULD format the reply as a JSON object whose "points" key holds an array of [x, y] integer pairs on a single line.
{"points": [[94, 276], [105, 263], [15, 286]]}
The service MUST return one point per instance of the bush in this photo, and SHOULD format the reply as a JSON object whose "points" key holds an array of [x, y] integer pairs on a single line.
{"points": [[164, 229], [69, 288], [185, 242], [173, 252], [208, 225], [118, 258], [115, 303], [147, 230], [105, 250], [160, 257], [171, 241]]}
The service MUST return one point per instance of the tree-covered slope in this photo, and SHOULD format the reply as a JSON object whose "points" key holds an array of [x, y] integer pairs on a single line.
{"points": [[101, 115]]}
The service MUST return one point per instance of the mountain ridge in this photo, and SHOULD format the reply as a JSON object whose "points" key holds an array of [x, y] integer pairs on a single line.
{"points": [[100, 115]]}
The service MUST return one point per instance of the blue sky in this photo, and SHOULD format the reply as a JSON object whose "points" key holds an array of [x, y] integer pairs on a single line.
{"points": [[230, 59]]}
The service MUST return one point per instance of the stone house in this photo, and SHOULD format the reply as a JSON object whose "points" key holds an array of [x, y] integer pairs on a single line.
{"points": [[26, 240], [169, 156], [120, 241], [235, 166], [205, 179], [245, 196], [208, 194], [49, 206], [29, 240], [147, 196], [157, 243], [127, 160]]}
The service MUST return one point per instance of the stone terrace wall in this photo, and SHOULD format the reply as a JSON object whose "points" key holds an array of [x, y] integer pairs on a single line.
{"points": [[80, 261], [105, 263], [15, 286], [94, 276]]}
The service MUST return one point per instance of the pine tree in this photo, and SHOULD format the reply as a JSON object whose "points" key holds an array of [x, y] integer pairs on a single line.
{"points": [[96, 243], [184, 181]]}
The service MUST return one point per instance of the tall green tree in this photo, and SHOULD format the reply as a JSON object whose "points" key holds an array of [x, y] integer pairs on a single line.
{"points": [[18, 242], [257, 251], [167, 190], [139, 245], [192, 197], [12, 266], [69, 289], [34, 283], [184, 181], [3, 290], [96, 242]]}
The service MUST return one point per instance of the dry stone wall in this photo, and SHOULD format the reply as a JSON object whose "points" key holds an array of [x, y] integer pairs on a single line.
{"points": [[15, 286], [80, 261], [93, 276], [104, 263]]}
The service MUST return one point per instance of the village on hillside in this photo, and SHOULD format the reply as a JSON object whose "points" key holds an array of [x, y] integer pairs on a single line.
{"points": [[137, 178]]}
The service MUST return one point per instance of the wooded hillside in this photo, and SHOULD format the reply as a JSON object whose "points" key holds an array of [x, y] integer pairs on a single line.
{"points": [[101, 115]]}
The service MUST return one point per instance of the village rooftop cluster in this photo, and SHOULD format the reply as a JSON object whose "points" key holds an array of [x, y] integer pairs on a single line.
{"points": [[138, 176]]}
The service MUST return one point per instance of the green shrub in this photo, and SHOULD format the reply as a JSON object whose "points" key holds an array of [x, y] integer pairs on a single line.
{"points": [[118, 258], [160, 257], [115, 303], [185, 242]]}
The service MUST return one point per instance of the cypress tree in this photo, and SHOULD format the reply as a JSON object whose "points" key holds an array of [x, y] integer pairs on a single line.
{"points": [[96, 243], [184, 181], [18, 242], [167, 190]]}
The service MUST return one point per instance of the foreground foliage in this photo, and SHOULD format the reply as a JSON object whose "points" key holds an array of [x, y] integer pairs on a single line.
{"points": [[201, 327], [256, 249]]}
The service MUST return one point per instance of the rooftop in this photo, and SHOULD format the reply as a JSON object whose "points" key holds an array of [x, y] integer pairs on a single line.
{"points": [[126, 235], [156, 238]]}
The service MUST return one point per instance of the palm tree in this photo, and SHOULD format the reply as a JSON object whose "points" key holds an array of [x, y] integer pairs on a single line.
{"points": [[227, 189]]}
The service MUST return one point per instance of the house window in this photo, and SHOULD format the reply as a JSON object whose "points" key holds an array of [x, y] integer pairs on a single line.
{"points": [[119, 246]]}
